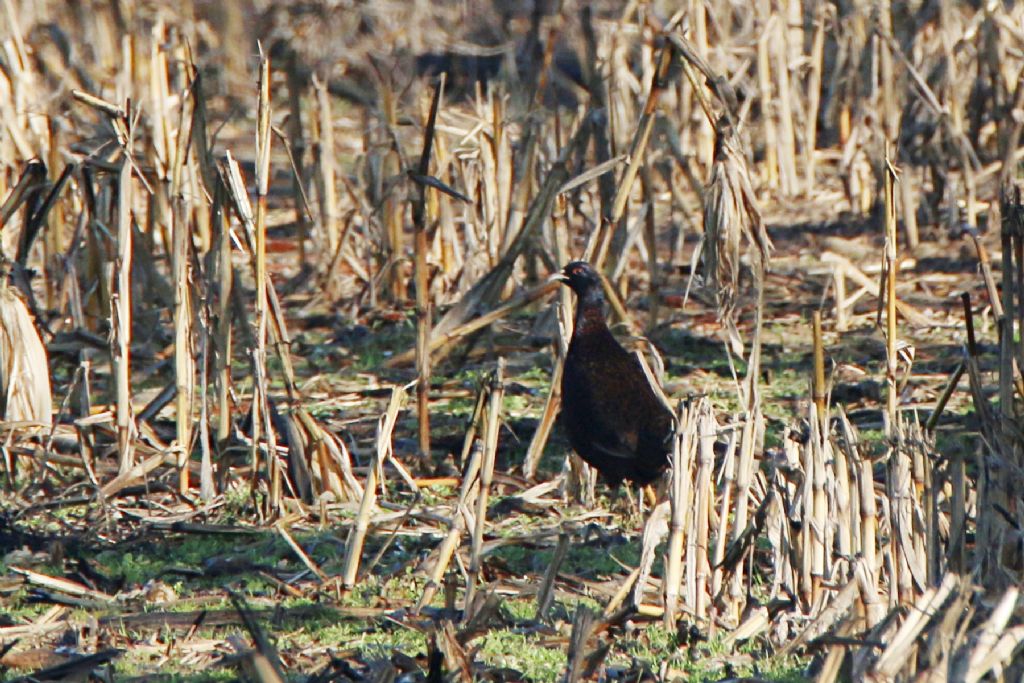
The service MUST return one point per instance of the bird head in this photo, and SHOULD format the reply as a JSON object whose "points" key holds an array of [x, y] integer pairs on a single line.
{"points": [[581, 277]]}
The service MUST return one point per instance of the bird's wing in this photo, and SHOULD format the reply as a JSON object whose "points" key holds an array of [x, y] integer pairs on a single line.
{"points": [[612, 400], [617, 410], [645, 423], [618, 450], [591, 417]]}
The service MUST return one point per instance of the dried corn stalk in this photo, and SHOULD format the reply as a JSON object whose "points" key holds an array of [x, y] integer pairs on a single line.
{"points": [[24, 371], [730, 212]]}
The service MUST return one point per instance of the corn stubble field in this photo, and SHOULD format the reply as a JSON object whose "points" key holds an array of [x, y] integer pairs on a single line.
{"points": [[280, 358]]}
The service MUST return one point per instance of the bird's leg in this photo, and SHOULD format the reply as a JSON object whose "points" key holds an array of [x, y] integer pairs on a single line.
{"points": [[634, 511], [650, 494], [626, 506]]}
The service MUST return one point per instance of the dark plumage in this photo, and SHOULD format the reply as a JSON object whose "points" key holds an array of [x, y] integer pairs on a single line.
{"points": [[614, 419]]}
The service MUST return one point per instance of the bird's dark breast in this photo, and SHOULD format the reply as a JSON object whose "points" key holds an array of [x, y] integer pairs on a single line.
{"points": [[614, 420]]}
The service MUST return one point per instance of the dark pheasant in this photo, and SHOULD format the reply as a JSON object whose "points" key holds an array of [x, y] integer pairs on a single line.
{"points": [[614, 419]]}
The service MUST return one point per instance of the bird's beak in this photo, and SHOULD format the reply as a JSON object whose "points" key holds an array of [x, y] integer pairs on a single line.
{"points": [[558, 277]]}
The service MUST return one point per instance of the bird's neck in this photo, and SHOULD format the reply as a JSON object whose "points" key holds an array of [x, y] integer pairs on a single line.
{"points": [[590, 312]]}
